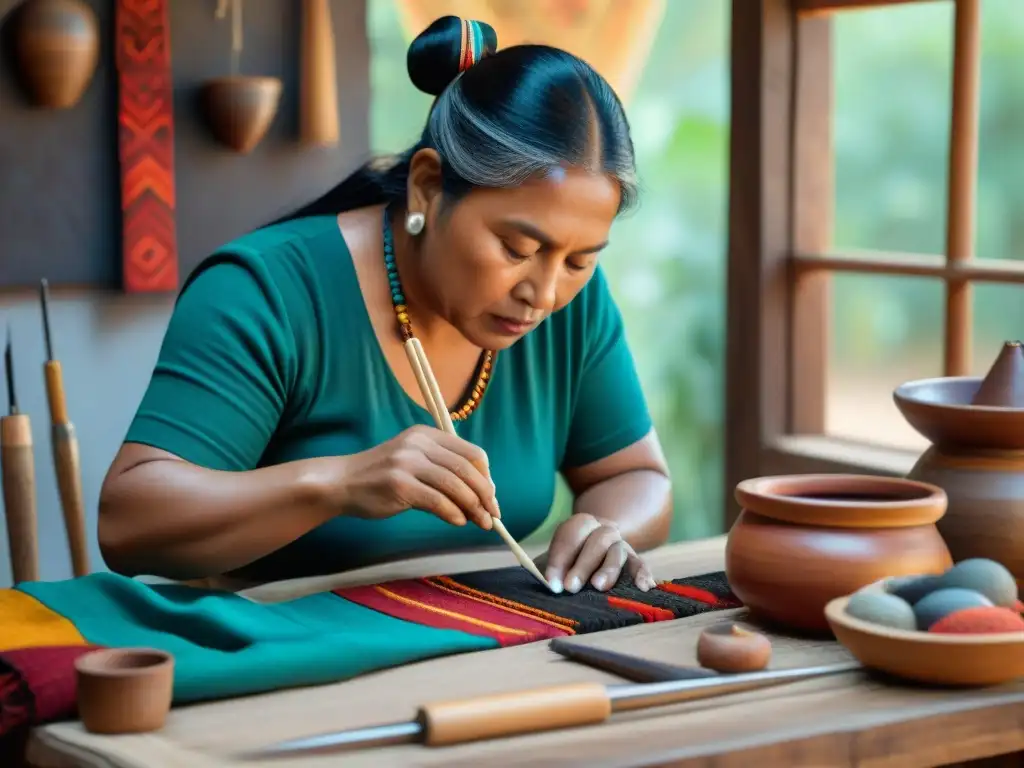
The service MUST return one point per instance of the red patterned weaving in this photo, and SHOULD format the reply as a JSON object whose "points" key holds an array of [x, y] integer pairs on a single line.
{"points": [[510, 607], [146, 146]]}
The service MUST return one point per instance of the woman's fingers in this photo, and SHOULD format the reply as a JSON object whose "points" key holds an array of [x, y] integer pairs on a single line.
{"points": [[469, 464], [416, 494], [476, 482], [600, 560], [443, 480], [566, 544], [640, 572]]}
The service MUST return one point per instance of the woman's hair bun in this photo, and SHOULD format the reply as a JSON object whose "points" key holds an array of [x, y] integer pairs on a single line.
{"points": [[450, 45]]}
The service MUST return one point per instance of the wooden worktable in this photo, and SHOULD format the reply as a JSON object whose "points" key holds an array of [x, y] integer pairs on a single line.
{"points": [[851, 719]]}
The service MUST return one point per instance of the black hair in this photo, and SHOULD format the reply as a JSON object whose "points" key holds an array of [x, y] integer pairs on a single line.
{"points": [[511, 115]]}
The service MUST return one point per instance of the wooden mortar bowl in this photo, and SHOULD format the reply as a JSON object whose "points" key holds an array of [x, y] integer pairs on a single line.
{"points": [[124, 690], [977, 456], [803, 540], [928, 657]]}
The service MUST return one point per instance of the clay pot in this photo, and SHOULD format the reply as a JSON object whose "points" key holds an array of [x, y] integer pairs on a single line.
{"points": [[124, 690], [56, 46], [803, 540], [241, 108], [976, 456]]}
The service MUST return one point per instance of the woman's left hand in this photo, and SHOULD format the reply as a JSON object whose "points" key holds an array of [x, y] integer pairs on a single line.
{"points": [[584, 549]]}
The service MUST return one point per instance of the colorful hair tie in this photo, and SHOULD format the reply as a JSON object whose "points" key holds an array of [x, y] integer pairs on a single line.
{"points": [[472, 44]]}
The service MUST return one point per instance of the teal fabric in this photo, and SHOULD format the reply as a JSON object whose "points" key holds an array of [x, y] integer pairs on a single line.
{"points": [[225, 645], [270, 356]]}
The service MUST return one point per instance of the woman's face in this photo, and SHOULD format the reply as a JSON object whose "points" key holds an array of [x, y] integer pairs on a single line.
{"points": [[501, 260]]}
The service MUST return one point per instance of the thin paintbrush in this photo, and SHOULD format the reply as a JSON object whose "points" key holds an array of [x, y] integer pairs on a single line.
{"points": [[17, 467], [64, 445], [443, 420]]}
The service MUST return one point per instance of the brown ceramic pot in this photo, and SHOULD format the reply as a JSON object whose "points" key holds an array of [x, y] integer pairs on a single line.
{"points": [[241, 108], [56, 47], [124, 690], [977, 457], [802, 540]]}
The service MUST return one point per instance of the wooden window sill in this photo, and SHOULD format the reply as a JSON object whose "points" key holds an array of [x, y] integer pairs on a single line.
{"points": [[798, 454]]}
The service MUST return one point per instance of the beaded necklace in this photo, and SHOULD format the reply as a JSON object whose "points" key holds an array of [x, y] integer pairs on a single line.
{"points": [[488, 357]]}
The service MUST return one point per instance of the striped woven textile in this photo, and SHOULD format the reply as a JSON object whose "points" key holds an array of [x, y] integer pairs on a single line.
{"points": [[226, 645]]}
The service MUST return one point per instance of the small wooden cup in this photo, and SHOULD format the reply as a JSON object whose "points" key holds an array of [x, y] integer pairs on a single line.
{"points": [[124, 690]]}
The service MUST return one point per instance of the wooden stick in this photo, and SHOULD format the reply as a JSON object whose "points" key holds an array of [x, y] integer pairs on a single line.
{"points": [[443, 420], [64, 446], [17, 467], [318, 86]]}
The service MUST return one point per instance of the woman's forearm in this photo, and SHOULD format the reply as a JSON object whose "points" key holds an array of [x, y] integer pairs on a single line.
{"points": [[639, 502], [170, 518]]}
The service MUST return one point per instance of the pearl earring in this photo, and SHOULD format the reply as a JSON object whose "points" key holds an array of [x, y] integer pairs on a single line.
{"points": [[414, 223]]}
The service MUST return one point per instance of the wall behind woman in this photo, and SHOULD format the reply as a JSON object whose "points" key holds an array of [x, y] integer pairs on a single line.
{"points": [[59, 172]]}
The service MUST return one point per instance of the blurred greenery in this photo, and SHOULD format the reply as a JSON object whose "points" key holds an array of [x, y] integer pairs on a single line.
{"points": [[892, 72]]}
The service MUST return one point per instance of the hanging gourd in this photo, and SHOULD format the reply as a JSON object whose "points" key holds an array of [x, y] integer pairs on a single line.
{"points": [[239, 108], [56, 47]]}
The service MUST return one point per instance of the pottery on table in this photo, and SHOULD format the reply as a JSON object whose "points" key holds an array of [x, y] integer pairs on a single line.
{"points": [[929, 657], [124, 690], [803, 540], [56, 46], [976, 429], [240, 108]]}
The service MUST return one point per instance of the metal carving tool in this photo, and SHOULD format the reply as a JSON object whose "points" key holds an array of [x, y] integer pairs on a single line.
{"points": [[541, 709], [634, 668], [64, 446], [17, 466]]}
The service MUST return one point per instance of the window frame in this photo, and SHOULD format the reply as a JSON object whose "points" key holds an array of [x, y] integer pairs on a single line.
{"points": [[780, 255]]}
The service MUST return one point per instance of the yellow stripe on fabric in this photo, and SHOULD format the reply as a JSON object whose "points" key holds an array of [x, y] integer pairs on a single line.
{"points": [[532, 617], [451, 614], [27, 623]]}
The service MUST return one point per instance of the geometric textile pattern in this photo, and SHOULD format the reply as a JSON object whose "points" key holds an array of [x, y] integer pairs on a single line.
{"points": [[146, 146]]}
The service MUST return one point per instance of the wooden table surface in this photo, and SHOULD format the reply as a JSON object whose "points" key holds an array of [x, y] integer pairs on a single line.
{"points": [[850, 719]]}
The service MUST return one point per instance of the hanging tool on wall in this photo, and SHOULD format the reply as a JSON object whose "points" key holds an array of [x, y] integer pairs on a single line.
{"points": [[17, 467], [64, 444], [318, 88]]}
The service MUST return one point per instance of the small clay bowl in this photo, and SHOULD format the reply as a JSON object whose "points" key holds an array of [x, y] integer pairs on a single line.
{"points": [[928, 657], [802, 540], [124, 690]]}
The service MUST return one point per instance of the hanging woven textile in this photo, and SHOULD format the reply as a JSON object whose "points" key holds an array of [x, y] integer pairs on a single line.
{"points": [[146, 146]]}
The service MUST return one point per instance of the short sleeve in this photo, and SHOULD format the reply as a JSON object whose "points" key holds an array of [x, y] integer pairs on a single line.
{"points": [[609, 411], [225, 368]]}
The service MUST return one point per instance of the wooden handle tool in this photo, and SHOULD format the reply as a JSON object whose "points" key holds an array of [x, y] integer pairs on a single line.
{"points": [[541, 709], [64, 445], [17, 467], [318, 89], [443, 420]]}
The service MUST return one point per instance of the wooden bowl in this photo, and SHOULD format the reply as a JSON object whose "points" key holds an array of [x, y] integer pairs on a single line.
{"points": [[941, 411], [803, 540], [240, 109], [928, 657], [124, 690]]}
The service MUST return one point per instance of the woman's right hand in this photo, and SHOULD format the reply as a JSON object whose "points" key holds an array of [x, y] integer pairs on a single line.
{"points": [[421, 468]]}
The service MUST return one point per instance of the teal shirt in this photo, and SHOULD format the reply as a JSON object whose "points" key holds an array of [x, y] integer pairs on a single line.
{"points": [[270, 357]]}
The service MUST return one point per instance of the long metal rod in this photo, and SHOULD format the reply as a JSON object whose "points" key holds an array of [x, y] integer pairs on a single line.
{"points": [[628, 696]]}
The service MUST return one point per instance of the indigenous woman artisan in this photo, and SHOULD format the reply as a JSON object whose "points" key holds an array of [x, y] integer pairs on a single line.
{"points": [[283, 433]]}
